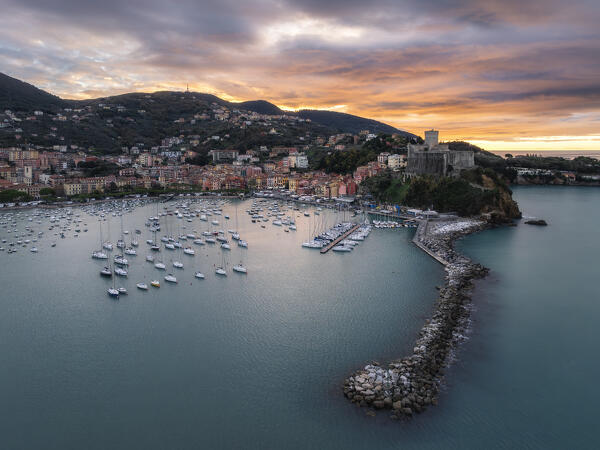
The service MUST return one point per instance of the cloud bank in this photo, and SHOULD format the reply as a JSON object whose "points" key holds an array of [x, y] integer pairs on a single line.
{"points": [[504, 72]]}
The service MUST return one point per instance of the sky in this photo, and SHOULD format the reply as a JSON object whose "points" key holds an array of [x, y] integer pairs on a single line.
{"points": [[503, 74]]}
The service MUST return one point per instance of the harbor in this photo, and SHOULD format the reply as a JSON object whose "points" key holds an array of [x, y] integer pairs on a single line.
{"points": [[196, 337]]}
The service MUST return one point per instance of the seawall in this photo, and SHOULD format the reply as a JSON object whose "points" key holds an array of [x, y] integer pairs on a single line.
{"points": [[410, 385]]}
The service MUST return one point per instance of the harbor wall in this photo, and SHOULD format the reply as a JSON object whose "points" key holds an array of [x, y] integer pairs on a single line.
{"points": [[410, 385]]}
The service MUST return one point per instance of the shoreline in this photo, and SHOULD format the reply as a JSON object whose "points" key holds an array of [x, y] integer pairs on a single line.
{"points": [[411, 384]]}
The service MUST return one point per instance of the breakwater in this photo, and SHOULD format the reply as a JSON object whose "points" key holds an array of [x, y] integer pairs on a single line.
{"points": [[411, 384]]}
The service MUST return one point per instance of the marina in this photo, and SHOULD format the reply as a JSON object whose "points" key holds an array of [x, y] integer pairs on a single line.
{"points": [[174, 234], [339, 239]]}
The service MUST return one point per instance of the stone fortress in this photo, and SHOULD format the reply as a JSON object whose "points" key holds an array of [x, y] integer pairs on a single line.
{"points": [[433, 158]]}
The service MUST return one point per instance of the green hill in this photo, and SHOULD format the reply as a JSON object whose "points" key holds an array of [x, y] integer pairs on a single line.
{"points": [[107, 124], [17, 95], [347, 123]]}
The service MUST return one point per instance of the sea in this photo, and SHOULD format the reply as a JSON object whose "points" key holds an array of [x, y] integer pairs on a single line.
{"points": [[257, 361], [567, 154]]}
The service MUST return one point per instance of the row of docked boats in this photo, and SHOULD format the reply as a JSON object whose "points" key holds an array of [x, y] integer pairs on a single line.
{"points": [[328, 236], [394, 224], [359, 235]]}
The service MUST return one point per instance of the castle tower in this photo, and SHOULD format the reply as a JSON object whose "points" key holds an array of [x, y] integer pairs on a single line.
{"points": [[431, 138]]}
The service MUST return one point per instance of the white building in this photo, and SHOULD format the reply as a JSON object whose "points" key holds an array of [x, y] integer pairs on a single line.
{"points": [[395, 162], [302, 162], [382, 158]]}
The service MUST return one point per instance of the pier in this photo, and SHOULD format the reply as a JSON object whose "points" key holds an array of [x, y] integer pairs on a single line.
{"points": [[339, 239], [422, 231]]}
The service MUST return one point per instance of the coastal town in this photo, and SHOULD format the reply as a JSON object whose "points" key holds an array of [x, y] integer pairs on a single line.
{"points": [[178, 163], [46, 156]]}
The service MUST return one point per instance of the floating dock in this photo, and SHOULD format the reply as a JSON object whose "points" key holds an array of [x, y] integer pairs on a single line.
{"points": [[339, 239]]}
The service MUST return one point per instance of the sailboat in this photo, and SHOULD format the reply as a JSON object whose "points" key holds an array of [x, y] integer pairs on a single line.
{"points": [[178, 264], [107, 245], [113, 292], [240, 268], [236, 235], [221, 269], [99, 254], [170, 278]]}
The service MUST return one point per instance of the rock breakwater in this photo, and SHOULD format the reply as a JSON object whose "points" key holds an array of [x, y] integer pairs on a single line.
{"points": [[411, 384]]}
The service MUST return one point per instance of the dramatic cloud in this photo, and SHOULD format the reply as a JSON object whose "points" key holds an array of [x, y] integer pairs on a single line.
{"points": [[514, 74]]}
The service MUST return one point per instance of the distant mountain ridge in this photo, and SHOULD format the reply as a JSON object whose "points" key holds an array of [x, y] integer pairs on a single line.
{"points": [[20, 96]]}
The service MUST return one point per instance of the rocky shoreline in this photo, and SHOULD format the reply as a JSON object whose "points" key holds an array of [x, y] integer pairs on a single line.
{"points": [[412, 384]]}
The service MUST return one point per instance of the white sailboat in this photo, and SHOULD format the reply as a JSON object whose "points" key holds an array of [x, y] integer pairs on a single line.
{"points": [[113, 292], [170, 278], [220, 270], [240, 268]]}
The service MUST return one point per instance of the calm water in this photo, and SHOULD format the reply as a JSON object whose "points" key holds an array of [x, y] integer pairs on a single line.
{"points": [[568, 154], [257, 361]]}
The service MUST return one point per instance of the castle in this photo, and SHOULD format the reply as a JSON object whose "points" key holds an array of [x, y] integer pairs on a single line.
{"points": [[433, 158]]}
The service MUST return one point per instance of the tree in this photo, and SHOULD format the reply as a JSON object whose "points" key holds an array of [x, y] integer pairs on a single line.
{"points": [[47, 192]]}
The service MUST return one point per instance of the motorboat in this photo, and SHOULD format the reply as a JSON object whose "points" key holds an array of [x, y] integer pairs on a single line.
{"points": [[142, 286]]}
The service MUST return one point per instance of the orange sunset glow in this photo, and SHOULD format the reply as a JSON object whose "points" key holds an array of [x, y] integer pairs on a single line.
{"points": [[504, 75]]}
